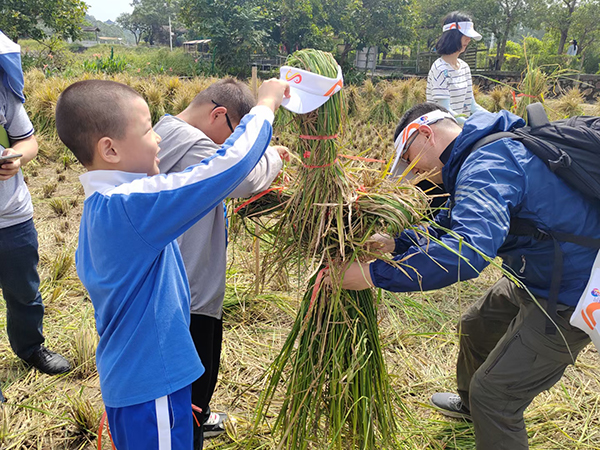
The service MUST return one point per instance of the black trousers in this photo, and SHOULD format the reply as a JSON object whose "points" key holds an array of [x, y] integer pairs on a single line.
{"points": [[207, 334]]}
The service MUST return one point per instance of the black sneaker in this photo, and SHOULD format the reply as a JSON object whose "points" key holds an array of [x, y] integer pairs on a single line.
{"points": [[47, 361], [214, 425], [450, 405]]}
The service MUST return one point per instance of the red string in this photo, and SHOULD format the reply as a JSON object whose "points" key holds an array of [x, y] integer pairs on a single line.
{"points": [[316, 288], [360, 158], [198, 410], [257, 196], [520, 95], [317, 138], [104, 418]]}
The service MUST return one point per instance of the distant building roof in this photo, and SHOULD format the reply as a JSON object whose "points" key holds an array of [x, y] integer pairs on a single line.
{"points": [[102, 38], [198, 41], [90, 29]]}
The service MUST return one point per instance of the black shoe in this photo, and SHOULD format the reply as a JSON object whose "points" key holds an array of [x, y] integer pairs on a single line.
{"points": [[48, 362], [450, 405], [214, 425]]}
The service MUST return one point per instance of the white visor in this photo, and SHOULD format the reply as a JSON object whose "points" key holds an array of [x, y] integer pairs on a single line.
{"points": [[400, 166], [465, 28], [308, 90]]}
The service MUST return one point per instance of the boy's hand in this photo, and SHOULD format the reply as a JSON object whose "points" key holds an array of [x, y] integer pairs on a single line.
{"points": [[10, 168], [284, 152], [357, 277], [380, 244], [271, 93]]}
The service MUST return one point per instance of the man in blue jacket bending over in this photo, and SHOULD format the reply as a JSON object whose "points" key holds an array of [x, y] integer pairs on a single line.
{"points": [[506, 356]]}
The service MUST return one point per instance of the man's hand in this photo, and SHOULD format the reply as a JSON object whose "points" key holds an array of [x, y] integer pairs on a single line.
{"points": [[9, 168], [284, 152], [272, 92], [380, 244], [357, 277]]}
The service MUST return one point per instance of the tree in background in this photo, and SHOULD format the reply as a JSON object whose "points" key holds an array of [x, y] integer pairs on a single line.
{"points": [[585, 28], [500, 17], [33, 18], [557, 15], [237, 28], [149, 20], [133, 23]]}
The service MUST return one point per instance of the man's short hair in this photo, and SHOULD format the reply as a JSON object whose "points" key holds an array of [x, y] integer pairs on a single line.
{"points": [[230, 93], [451, 40], [414, 113], [89, 110]]}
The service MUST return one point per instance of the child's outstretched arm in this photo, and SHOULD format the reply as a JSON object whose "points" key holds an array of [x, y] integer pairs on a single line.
{"points": [[162, 207]]}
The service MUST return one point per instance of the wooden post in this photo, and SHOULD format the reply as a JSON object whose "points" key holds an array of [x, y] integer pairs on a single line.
{"points": [[255, 81]]}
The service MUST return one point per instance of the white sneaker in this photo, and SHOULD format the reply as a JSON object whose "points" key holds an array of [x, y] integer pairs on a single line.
{"points": [[215, 425]]}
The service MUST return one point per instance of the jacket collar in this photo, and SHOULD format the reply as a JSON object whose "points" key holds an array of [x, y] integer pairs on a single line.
{"points": [[102, 181]]}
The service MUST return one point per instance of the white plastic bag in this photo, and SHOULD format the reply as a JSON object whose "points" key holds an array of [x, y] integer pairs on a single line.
{"points": [[587, 314]]}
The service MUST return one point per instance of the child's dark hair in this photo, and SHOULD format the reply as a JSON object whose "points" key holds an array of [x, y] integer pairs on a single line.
{"points": [[230, 93], [89, 110], [414, 113], [451, 40]]}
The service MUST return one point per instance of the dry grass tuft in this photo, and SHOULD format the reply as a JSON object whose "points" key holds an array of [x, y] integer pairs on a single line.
{"points": [[60, 206], [501, 97], [84, 415], [569, 104], [84, 351]]}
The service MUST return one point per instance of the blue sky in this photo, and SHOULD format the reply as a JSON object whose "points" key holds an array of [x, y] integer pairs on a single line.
{"points": [[108, 9]]}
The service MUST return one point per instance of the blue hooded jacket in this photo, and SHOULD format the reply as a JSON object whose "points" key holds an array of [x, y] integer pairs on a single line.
{"points": [[487, 188], [10, 66]]}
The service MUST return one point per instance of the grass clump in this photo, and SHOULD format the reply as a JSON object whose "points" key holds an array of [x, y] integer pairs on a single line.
{"points": [[569, 104], [382, 112]]}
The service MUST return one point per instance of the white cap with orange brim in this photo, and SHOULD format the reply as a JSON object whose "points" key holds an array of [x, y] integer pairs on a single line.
{"points": [[465, 28], [308, 90], [400, 165]]}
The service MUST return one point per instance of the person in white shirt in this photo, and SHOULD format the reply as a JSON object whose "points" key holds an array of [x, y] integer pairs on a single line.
{"points": [[573, 48], [449, 81]]}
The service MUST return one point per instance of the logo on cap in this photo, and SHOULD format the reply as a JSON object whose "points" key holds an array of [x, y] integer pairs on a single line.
{"points": [[295, 77]]}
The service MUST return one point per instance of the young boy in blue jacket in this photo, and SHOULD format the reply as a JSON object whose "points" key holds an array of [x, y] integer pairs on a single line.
{"points": [[128, 258]]}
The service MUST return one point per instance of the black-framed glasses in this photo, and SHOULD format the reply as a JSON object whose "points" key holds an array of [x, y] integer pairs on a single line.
{"points": [[226, 115], [408, 144]]}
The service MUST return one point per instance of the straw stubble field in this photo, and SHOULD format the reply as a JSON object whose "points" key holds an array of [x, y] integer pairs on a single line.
{"points": [[418, 334]]}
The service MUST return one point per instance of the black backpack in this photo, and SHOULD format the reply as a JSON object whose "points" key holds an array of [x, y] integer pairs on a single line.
{"points": [[571, 149]]}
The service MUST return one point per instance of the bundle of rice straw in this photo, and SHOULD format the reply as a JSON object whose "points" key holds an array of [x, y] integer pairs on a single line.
{"points": [[338, 392]]}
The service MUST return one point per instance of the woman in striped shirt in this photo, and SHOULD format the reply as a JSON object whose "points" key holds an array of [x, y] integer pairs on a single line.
{"points": [[449, 81]]}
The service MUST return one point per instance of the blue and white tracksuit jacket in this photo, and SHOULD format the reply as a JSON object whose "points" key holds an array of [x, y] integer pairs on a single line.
{"points": [[487, 188], [130, 263]]}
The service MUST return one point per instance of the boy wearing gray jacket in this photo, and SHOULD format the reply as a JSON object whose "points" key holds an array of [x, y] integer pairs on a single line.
{"points": [[188, 138]]}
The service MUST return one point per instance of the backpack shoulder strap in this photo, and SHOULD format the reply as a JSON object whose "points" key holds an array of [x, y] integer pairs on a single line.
{"points": [[493, 138]]}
